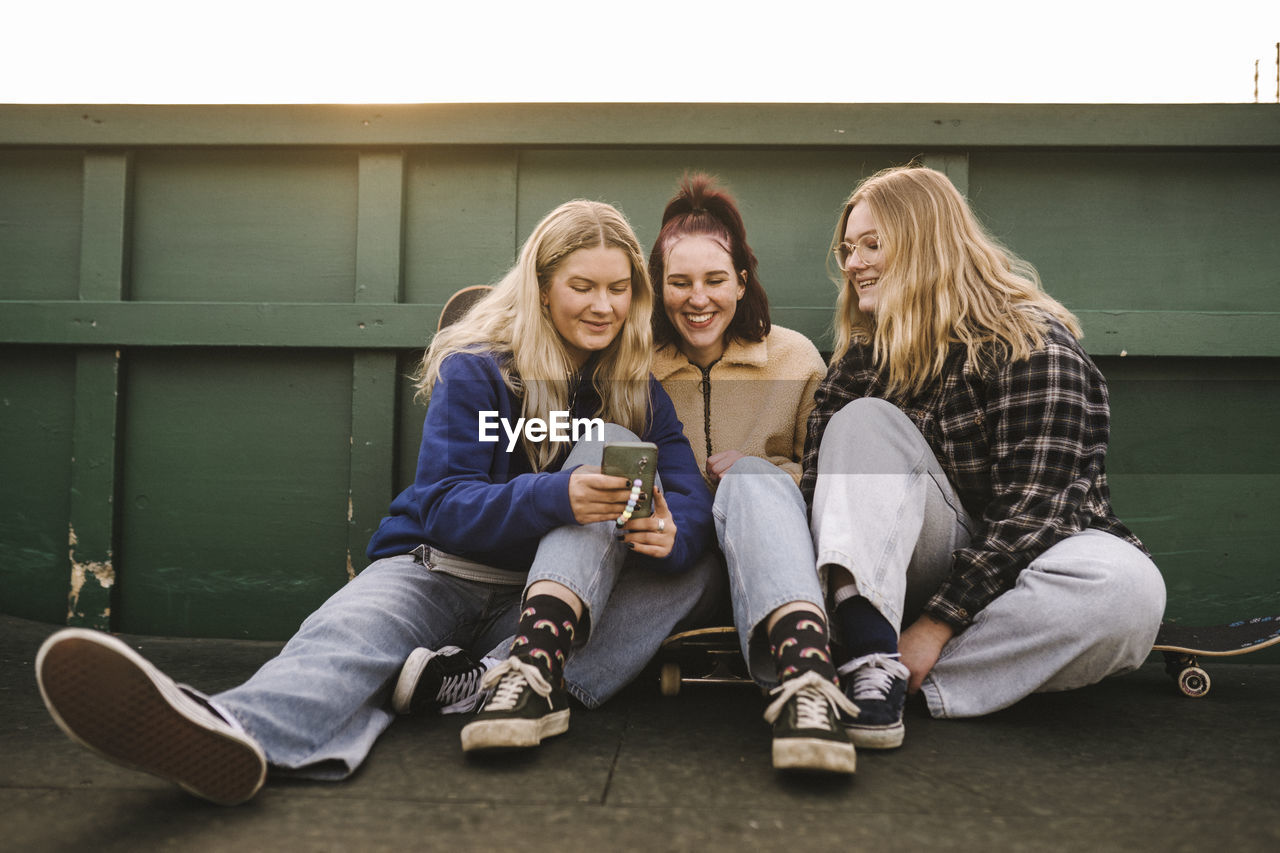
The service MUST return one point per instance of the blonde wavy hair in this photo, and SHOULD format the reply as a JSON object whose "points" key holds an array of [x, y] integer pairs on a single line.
{"points": [[944, 280], [512, 323]]}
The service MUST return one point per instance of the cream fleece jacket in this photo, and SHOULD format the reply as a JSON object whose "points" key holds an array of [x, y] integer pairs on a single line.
{"points": [[757, 400]]}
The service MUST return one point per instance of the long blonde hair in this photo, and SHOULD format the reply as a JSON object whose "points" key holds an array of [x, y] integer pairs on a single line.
{"points": [[512, 323], [944, 280]]}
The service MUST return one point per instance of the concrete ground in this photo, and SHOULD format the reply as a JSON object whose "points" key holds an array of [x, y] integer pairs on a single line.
{"points": [[1125, 765]]}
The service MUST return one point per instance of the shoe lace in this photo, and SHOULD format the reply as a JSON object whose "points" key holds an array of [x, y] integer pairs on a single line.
{"points": [[814, 695], [459, 685], [509, 679], [873, 675]]}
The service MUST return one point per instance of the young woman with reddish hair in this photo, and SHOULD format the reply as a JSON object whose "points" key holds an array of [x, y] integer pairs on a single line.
{"points": [[743, 388]]}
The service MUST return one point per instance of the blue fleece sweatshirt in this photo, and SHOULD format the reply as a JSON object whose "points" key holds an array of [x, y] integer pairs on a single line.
{"points": [[477, 500]]}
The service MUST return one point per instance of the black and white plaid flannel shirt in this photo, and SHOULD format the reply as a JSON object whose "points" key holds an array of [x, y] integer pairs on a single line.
{"points": [[1023, 445]]}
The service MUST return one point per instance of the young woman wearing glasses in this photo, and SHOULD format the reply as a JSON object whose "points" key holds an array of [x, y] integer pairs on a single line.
{"points": [[955, 472]]}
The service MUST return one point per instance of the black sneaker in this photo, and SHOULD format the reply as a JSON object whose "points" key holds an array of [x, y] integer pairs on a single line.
{"points": [[439, 682], [107, 697], [522, 709], [878, 684], [806, 730]]}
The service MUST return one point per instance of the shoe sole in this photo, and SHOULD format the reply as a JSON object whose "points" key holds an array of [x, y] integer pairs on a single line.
{"points": [[796, 753], [108, 698], [879, 737], [513, 733]]}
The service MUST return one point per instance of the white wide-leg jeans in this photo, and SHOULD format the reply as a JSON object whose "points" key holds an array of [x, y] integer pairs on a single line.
{"points": [[884, 511]]}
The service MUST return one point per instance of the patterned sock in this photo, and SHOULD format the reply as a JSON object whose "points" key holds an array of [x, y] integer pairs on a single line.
{"points": [[863, 628], [545, 634], [799, 644]]}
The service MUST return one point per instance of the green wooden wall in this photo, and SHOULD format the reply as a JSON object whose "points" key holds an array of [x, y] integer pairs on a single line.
{"points": [[207, 314]]}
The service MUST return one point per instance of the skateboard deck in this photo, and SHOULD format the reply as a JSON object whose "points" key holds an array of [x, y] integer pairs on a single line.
{"points": [[712, 655], [460, 303], [703, 656], [1183, 645]]}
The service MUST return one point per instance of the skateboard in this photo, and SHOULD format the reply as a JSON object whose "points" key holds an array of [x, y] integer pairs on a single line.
{"points": [[460, 303], [703, 656], [1183, 645], [712, 655]]}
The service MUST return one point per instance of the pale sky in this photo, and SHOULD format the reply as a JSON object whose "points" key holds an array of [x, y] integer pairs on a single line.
{"points": [[383, 51]]}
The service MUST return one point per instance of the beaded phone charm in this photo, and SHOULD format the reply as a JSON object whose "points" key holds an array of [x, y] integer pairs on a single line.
{"points": [[634, 497]]}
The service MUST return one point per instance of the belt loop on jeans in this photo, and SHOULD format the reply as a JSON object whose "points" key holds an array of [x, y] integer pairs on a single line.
{"points": [[422, 556]]}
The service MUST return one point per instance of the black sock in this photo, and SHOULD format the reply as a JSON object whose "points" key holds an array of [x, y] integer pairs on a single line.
{"points": [[799, 644], [545, 634], [863, 628]]}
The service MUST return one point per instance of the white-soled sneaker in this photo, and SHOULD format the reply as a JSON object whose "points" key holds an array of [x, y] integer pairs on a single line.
{"points": [[109, 698], [878, 684], [806, 729], [523, 709], [440, 682]]}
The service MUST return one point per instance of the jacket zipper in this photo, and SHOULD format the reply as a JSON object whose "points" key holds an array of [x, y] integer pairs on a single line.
{"points": [[706, 401]]}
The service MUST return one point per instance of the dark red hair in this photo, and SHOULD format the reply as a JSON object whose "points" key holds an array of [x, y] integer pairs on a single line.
{"points": [[702, 208]]}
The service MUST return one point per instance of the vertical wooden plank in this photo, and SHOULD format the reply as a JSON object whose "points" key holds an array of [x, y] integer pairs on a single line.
{"points": [[954, 166], [103, 262], [380, 218], [373, 413]]}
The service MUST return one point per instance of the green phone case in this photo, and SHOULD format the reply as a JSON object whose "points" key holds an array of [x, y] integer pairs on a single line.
{"points": [[632, 459]]}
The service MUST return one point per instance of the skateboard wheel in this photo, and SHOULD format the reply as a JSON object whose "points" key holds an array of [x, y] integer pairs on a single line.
{"points": [[669, 679], [1194, 682]]}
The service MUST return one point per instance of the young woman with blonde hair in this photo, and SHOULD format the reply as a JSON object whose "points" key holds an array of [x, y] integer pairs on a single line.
{"points": [[955, 473], [492, 537]]}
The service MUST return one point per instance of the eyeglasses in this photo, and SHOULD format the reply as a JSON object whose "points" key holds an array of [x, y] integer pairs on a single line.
{"points": [[868, 248]]}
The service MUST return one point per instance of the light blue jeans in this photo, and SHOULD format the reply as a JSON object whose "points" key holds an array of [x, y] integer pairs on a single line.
{"points": [[628, 609], [317, 707], [884, 510], [763, 532]]}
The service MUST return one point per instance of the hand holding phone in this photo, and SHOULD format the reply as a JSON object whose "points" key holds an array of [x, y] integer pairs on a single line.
{"points": [[637, 461], [645, 524]]}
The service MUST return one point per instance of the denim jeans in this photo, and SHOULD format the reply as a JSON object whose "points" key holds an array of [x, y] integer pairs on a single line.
{"points": [[317, 707], [884, 510], [763, 531], [764, 542], [628, 609]]}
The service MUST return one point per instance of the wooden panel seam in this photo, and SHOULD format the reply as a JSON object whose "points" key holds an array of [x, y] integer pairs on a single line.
{"points": [[954, 165], [379, 274], [91, 545], [387, 326]]}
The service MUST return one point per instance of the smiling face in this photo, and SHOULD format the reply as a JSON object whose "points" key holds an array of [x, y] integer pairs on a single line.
{"points": [[700, 294], [588, 298], [863, 273]]}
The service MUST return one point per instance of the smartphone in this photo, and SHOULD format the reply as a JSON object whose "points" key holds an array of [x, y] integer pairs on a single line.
{"points": [[633, 459]]}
